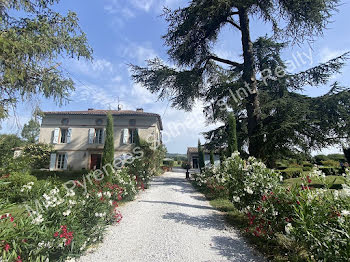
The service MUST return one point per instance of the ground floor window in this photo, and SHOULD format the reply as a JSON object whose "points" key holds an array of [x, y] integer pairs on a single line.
{"points": [[95, 161], [61, 160]]}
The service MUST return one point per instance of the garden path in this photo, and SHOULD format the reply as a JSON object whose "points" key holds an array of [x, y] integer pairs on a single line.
{"points": [[171, 221]]}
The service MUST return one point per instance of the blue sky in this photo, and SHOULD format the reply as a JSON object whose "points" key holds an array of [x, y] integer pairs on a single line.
{"points": [[122, 32]]}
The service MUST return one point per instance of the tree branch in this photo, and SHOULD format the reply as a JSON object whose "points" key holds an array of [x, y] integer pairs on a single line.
{"points": [[225, 61], [234, 24]]}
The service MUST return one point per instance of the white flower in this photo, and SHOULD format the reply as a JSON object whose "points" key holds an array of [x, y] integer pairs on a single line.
{"points": [[249, 190], [288, 228], [111, 202], [70, 193], [72, 202], [236, 198], [345, 213], [107, 194], [87, 195], [99, 194], [67, 212], [275, 213], [38, 220], [281, 178]]}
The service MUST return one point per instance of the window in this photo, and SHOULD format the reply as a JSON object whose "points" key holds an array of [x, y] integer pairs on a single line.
{"points": [[132, 122], [132, 135], [99, 122], [61, 159], [65, 121], [98, 136], [64, 135]]}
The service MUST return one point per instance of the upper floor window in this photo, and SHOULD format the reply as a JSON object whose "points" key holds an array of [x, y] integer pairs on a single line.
{"points": [[132, 135], [99, 122], [132, 122], [64, 135], [98, 136], [65, 121]]}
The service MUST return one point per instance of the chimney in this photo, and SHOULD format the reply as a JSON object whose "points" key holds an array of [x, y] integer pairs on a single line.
{"points": [[139, 109], [91, 109]]}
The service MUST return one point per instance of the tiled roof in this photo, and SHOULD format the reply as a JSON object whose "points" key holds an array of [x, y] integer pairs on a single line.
{"points": [[104, 112], [192, 150]]}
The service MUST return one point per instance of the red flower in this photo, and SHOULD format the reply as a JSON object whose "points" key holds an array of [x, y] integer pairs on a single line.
{"points": [[56, 234], [12, 219], [19, 259], [298, 202], [309, 180], [7, 247]]}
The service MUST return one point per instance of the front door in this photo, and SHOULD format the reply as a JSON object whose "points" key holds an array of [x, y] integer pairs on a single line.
{"points": [[195, 163], [95, 162]]}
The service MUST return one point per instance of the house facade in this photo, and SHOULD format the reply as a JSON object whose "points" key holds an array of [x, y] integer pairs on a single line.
{"points": [[78, 136], [193, 157]]}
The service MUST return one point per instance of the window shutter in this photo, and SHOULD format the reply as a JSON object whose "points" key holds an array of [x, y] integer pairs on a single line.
{"points": [[125, 136], [91, 135], [55, 135], [52, 161], [69, 135], [65, 161]]}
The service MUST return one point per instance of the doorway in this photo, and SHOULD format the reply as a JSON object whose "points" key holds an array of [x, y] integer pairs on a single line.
{"points": [[195, 163], [95, 162]]}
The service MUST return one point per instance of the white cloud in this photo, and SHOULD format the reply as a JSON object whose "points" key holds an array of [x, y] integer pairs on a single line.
{"points": [[139, 52], [94, 68], [327, 54]]}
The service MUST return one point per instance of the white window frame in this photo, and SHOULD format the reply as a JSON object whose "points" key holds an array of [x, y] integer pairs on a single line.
{"points": [[66, 131], [131, 139], [99, 134], [61, 161]]}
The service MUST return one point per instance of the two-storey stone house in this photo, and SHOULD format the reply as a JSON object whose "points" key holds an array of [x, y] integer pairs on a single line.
{"points": [[78, 136]]}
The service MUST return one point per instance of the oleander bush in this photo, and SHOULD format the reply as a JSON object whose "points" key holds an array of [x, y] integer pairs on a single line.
{"points": [[317, 219], [54, 220]]}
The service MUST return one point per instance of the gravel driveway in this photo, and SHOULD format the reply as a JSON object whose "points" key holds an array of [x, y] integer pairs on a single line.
{"points": [[171, 222]]}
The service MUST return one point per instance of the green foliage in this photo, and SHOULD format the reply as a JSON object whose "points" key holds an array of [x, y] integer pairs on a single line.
{"points": [[32, 44], [38, 155], [291, 172], [277, 119], [232, 135], [200, 156], [186, 165], [331, 163], [7, 145], [212, 162], [31, 131], [108, 149]]}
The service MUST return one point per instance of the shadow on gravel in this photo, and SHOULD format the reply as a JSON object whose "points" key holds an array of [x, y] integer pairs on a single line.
{"points": [[178, 204], [202, 222], [234, 249]]}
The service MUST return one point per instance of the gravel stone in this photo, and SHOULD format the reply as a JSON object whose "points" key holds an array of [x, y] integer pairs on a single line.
{"points": [[171, 221]]}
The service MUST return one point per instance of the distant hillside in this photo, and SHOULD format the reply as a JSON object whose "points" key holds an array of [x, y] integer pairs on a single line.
{"points": [[177, 157]]}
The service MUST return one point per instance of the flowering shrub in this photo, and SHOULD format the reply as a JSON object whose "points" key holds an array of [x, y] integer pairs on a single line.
{"points": [[318, 219], [58, 222], [213, 179]]}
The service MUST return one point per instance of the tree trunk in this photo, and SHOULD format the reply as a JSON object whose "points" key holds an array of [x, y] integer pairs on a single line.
{"points": [[249, 77]]}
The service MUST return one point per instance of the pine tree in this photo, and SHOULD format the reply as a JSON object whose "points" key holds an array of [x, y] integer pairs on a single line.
{"points": [[108, 149], [201, 156], [232, 135], [212, 161], [192, 33]]}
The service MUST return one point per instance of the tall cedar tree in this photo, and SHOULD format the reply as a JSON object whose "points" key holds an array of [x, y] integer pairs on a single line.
{"points": [[232, 135], [108, 149], [201, 156], [192, 33], [212, 161], [292, 122], [32, 44]]}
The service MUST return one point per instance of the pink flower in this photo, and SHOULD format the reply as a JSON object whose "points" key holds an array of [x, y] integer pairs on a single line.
{"points": [[7, 247]]}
